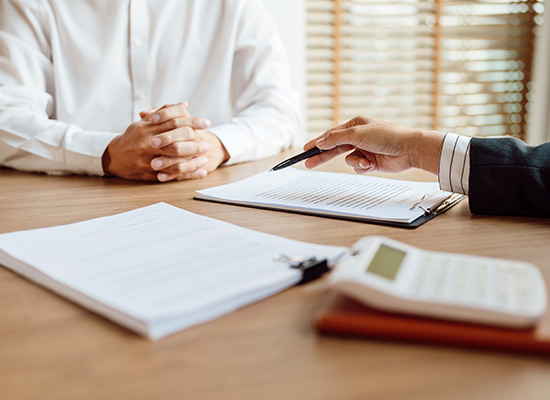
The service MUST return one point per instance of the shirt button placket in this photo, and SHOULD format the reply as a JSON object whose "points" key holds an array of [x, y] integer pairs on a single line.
{"points": [[139, 57]]}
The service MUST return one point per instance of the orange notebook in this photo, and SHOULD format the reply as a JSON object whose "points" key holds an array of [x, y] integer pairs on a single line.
{"points": [[341, 315]]}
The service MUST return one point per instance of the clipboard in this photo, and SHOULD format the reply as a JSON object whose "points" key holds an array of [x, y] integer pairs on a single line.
{"points": [[434, 211], [357, 202], [212, 268], [429, 214]]}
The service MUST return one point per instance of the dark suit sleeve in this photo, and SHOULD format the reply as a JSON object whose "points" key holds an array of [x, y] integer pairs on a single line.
{"points": [[507, 177]]}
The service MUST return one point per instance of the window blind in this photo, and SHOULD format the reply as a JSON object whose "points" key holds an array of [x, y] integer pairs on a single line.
{"points": [[454, 65]]}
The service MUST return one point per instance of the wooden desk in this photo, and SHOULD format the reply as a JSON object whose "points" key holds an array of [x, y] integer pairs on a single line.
{"points": [[51, 348]]}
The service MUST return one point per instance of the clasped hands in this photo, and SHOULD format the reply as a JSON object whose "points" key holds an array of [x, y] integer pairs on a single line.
{"points": [[166, 144]]}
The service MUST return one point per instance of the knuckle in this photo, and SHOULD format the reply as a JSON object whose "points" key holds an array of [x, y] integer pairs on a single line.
{"points": [[354, 130], [174, 123], [164, 107], [169, 150], [190, 132], [140, 155], [162, 114], [353, 162], [329, 137], [176, 149], [198, 147], [184, 177], [176, 169], [139, 128], [184, 167], [197, 163], [179, 148]]}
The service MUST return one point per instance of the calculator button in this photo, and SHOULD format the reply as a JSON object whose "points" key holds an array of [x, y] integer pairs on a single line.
{"points": [[440, 279], [421, 279], [481, 279], [461, 278], [473, 282], [522, 289]]}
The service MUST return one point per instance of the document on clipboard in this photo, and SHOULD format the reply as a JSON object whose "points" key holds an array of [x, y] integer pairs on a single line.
{"points": [[383, 201], [160, 269]]}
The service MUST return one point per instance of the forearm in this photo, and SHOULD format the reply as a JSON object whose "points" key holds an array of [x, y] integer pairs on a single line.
{"points": [[259, 132], [447, 156], [425, 148], [507, 177], [29, 141]]}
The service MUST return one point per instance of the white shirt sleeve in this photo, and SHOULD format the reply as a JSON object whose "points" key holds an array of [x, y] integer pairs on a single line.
{"points": [[66, 91], [30, 139], [265, 107], [454, 164]]}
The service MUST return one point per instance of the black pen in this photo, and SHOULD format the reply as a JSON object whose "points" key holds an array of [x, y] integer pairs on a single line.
{"points": [[297, 158]]}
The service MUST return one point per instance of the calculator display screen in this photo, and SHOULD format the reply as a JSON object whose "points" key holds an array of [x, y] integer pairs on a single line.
{"points": [[386, 262]]}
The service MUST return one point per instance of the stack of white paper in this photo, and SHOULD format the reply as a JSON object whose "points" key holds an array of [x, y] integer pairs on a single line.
{"points": [[158, 269]]}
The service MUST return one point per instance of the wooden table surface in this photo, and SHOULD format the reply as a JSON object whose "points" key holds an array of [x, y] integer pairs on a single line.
{"points": [[51, 348]]}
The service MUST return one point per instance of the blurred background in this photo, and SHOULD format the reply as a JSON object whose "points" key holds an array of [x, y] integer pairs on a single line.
{"points": [[475, 67]]}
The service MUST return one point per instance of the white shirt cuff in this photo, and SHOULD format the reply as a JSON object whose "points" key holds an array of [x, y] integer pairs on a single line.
{"points": [[237, 145], [454, 164], [84, 151]]}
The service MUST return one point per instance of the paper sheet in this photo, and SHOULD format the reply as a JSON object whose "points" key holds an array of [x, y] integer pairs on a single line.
{"points": [[161, 263], [337, 193]]}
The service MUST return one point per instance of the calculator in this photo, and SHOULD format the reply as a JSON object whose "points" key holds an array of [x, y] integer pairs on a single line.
{"points": [[391, 276]]}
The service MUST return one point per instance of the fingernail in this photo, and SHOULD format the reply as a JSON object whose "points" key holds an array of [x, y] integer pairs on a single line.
{"points": [[320, 142], [157, 164], [162, 176], [155, 118], [204, 123], [156, 142], [201, 173], [363, 164], [204, 147]]}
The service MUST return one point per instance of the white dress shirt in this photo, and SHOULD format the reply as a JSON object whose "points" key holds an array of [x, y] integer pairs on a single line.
{"points": [[454, 164], [76, 73]]}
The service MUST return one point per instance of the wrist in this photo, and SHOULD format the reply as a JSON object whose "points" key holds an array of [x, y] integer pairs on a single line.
{"points": [[426, 149], [106, 161], [217, 153]]}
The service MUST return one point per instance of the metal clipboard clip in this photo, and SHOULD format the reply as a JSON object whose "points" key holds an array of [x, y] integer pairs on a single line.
{"points": [[438, 207], [312, 268]]}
